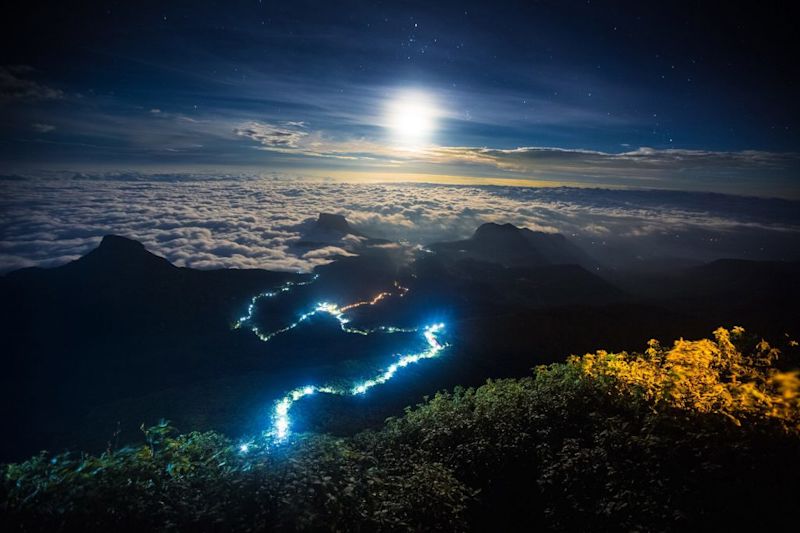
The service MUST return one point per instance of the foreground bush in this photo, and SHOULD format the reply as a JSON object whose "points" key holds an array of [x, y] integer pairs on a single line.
{"points": [[703, 434], [200, 481]]}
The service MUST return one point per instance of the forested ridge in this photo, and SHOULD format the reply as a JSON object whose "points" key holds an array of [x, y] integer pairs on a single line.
{"points": [[700, 434]]}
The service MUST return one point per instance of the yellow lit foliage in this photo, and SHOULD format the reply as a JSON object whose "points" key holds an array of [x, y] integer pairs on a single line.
{"points": [[705, 376]]}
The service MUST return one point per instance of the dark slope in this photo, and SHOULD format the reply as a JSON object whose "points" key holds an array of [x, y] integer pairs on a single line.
{"points": [[117, 322], [759, 295], [763, 296], [502, 264], [121, 334], [483, 282]]}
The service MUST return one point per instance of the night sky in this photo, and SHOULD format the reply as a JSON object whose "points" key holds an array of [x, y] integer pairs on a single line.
{"points": [[689, 95]]}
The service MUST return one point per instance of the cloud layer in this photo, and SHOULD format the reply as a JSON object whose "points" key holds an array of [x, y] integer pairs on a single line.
{"points": [[743, 172], [245, 222]]}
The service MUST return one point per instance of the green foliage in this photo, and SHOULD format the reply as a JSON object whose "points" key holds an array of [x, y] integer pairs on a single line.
{"points": [[703, 434], [200, 481]]}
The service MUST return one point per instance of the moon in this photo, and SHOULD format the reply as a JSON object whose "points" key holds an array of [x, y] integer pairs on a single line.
{"points": [[412, 117]]}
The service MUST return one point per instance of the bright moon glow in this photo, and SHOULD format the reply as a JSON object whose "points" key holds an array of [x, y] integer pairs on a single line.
{"points": [[412, 117]]}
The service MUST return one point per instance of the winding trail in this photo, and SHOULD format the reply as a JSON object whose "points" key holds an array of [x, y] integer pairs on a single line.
{"points": [[280, 421]]}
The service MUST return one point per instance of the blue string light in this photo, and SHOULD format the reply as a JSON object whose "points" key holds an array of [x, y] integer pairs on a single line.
{"points": [[280, 420]]}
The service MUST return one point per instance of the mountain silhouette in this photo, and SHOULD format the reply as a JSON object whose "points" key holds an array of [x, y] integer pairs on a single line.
{"points": [[121, 253], [331, 229], [509, 245], [121, 334], [334, 223], [115, 256], [120, 321]]}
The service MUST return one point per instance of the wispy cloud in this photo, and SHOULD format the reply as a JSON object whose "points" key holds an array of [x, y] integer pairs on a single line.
{"points": [[16, 85], [355, 143], [285, 136], [644, 162], [746, 171], [42, 128]]}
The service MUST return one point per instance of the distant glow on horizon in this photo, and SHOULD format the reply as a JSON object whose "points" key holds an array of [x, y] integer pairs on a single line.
{"points": [[412, 117], [281, 422]]}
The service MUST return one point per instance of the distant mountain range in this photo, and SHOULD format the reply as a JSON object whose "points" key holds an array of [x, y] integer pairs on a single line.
{"points": [[123, 335], [511, 246], [501, 264]]}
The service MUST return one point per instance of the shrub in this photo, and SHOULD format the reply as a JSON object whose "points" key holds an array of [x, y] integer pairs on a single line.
{"points": [[703, 434]]}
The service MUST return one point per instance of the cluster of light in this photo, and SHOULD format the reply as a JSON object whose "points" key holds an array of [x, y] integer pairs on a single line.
{"points": [[376, 299], [286, 287], [322, 307], [434, 348], [280, 414]]}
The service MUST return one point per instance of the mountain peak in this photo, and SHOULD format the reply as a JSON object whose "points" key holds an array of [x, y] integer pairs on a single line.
{"points": [[492, 228], [116, 252], [117, 243], [334, 222], [511, 245]]}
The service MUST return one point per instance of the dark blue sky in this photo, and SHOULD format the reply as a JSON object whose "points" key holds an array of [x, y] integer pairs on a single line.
{"points": [[686, 95]]}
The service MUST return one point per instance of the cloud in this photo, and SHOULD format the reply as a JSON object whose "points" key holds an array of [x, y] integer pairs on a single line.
{"points": [[284, 136], [245, 222], [43, 128], [347, 144], [14, 86], [645, 163], [742, 172], [638, 167], [328, 252]]}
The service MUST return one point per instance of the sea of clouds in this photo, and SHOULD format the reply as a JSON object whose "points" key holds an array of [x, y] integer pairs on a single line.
{"points": [[251, 222]]}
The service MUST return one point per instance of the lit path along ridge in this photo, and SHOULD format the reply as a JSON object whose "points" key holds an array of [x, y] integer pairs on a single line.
{"points": [[281, 422]]}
